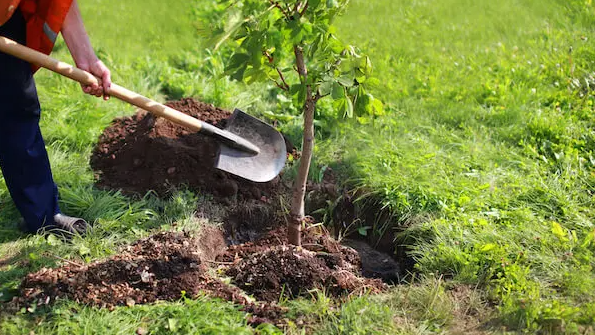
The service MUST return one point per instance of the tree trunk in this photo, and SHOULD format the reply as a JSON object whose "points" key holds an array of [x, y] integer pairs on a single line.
{"points": [[297, 214]]}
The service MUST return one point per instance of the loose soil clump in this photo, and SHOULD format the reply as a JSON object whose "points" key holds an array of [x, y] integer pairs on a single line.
{"points": [[142, 153], [157, 268]]}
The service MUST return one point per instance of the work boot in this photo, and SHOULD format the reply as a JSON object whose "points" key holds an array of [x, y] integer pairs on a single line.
{"points": [[69, 224]]}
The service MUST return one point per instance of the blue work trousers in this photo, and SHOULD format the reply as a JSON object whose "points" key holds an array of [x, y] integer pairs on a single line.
{"points": [[23, 157]]}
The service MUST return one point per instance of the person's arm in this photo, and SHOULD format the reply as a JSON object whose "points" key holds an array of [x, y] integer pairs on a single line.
{"points": [[77, 40]]}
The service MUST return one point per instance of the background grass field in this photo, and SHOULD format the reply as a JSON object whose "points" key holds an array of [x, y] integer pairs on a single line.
{"points": [[484, 162]]}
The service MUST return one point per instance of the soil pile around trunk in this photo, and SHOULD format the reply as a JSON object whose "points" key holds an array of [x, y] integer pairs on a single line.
{"points": [[164, 265], [141, 153], [269, 268]]}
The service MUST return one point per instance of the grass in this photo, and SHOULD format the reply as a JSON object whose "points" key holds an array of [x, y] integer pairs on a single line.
{"points": [[198, 316], [489, 141], [484, 162]]}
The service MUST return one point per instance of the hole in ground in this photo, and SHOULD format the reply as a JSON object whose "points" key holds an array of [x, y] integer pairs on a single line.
{"points": [[380, 256], [364, 226]]}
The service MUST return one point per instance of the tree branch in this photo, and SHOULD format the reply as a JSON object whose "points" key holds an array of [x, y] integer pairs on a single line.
{"points": [[285, 86], [300, 63], [297, 6], [317, 96], [278, 5], [303, 11], [282, 86]]}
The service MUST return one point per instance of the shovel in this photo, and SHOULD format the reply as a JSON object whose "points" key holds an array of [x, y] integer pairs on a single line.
{"points": [[249, 147]]}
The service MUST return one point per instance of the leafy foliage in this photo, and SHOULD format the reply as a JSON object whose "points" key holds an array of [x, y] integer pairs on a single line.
{"points": [[266, 35]]}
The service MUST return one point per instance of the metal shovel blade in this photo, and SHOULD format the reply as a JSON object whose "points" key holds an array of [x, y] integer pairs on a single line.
{"points": [[261, 167]]}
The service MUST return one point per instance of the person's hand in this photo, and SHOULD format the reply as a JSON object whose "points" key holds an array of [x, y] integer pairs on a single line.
{"points": [[77, 41], [98, 69]]}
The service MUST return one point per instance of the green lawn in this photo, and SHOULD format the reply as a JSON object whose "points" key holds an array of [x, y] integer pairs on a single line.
{"points": [[484, 162], [486, 155]]}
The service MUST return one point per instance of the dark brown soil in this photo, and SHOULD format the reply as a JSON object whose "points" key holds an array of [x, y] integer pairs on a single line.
{"points": [[157, 268], [269, 268], [164, 265], [141, 153]]}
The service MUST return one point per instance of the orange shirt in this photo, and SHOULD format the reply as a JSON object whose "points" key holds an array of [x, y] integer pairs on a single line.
{"points": [[7, 8], [44, 20]]}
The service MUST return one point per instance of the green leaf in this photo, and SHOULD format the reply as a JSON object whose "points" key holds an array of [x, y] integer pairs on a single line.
{"points": [[237, 61], [297, 32], [326, 87], [349, 111], [172, 324], [298, 91], [278, 116], [296, 88], [313, 4], [230, 31], [53, 240], [253, 75], [301, 97], [588, 239], [84, 250], [306, 26], [488, 247], [338, 91], [239, 74], [344, 107], [335, 45], [377, 107], [315, 45], [345, 80], [559, 231], [362, 103], [365, 66], [367, 104]]}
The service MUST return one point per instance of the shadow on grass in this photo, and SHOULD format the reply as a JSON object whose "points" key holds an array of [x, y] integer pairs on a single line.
{"points": [[9, 218], [376, 217]]}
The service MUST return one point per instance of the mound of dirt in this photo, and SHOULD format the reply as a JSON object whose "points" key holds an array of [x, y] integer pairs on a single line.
{"points": [[141, 153], [157, 268], [164, 265], [270, 268]]}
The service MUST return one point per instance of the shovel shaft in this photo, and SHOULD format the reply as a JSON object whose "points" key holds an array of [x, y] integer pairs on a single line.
{"points": [[32, 56], [155, 108]]}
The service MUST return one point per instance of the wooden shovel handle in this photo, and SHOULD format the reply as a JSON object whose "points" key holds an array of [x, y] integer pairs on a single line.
{"points": [[35, 57]]}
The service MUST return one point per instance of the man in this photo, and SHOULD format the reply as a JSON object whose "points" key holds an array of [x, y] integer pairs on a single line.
{"points": [[23, 157]]}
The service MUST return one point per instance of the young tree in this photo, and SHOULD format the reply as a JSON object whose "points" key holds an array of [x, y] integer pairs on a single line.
{"points": [[293, 44]]}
